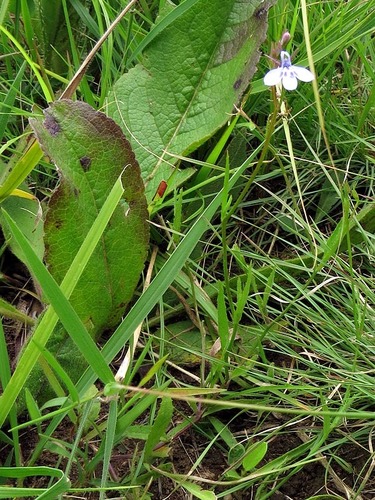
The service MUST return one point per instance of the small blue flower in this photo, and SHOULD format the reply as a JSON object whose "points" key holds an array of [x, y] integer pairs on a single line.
{"points": [[287, 74]]}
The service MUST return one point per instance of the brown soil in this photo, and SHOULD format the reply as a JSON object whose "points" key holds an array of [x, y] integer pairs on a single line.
{"points": [[311, 480]]}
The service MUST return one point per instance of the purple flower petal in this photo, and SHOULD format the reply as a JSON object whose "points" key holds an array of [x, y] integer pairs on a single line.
{"points": [[287, 74]]}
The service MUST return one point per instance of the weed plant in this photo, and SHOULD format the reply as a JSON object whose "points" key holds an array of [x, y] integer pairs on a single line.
{"points": [[254, 368]]}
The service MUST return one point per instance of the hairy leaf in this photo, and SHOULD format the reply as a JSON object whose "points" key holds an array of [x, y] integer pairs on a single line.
{"points": [[91, 153], [192, 74]]}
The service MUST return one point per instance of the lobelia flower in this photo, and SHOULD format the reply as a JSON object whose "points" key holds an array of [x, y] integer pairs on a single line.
{"points": [[287, 74]]}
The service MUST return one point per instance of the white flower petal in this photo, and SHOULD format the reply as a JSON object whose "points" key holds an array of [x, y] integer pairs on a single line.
{"points": [[273, 77], [303, 74], [289, 81]]}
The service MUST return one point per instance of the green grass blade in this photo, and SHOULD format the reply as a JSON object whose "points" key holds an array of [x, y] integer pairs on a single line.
{"points": [[47, 94], [3, 10], [58, 297], [12, 312], [162, 280], [159, 428], [109, 443], [8, 102], [61, 486], [21, 170]]}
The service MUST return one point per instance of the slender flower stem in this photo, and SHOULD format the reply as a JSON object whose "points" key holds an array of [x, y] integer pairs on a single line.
{"points": [[226, 216], [266, 144]]}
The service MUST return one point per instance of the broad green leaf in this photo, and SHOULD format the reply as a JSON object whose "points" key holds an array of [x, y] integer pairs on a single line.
{"points": [[91, 152], [63, 308], [235, 453], [148, 300], [184, 343], [162, 280], [192, 74]]}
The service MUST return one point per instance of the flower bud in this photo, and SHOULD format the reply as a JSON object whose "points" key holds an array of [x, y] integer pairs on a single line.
{"points": [[285, 38]]}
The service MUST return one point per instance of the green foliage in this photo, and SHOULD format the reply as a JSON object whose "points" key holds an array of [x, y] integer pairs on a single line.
{"points": [[28, 215], [61, 485], [254, 360], [51, 28], [62, 309], [91, 154], [192, 73], [254, 455], [159, 428]]}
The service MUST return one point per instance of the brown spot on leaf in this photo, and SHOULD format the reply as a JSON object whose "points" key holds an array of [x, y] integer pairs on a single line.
{"points": [[260, 13], [237, 84], [52, 125], [85, 162]]}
